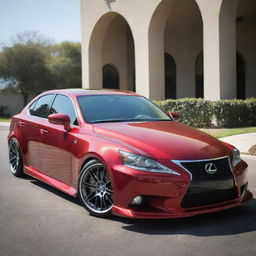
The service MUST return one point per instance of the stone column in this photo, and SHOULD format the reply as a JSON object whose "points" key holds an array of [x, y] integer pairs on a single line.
{"points": [[85, 47], [152, 52], [219, 23], [141, 64], [156, 64]]}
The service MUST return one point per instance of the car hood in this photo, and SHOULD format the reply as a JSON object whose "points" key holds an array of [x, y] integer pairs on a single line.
{"points": [[164, 140]]}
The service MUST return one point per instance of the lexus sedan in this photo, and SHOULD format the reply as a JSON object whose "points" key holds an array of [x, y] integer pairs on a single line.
{"points": [[119, 153]]}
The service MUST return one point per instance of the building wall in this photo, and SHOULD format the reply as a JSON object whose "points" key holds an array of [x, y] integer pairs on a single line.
{"points": [[246, 42], [182, 28], [184, 41], [116, 44], [92, 38]]}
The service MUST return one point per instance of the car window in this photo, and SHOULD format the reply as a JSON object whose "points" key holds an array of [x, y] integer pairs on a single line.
{"points": [[119, 108], [63, 105], [42, 106], [31, 107]]}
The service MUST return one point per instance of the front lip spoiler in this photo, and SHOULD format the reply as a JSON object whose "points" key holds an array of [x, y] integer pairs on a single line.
{"points": [[180, 213]]}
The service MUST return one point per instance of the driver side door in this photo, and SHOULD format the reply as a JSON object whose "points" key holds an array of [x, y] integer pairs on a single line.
{"points": [[58, 146]]}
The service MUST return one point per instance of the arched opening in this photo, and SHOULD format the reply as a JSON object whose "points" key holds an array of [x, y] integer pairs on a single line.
{"points": [[176, 26], [200, 76], [246, 50], [110, 77], [240, 77], [112, 42], [170, 76]]}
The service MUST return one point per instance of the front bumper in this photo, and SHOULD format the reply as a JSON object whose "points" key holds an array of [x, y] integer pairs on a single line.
{"points": [[165, 192]]}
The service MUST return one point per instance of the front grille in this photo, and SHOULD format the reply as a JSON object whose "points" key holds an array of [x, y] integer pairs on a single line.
{"points": [[207, 189]]}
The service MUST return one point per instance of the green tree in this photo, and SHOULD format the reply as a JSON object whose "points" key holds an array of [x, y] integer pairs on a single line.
{"points": [[23, 64], [65, 64]]}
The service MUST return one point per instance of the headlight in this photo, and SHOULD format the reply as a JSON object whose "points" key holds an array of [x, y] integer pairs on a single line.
{"points": [[236, 157], [143, 163]]}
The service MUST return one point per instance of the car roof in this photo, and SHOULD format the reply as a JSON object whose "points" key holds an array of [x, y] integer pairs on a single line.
{"points": [[82, 92]]}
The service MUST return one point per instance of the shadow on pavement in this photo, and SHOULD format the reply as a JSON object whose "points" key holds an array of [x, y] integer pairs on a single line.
{"points": [[228, 222], [233, 221], [27, 177], [55, 191]]}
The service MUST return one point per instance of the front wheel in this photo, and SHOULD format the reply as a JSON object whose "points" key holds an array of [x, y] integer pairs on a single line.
{"points": [[15, 158], [95, 190]]}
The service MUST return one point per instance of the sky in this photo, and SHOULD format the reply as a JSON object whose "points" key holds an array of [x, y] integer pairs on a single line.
{"points": [[58, 20]]}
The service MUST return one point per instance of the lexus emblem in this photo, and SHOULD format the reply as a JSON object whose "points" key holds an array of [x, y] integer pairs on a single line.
{"points": [[210, 168]]}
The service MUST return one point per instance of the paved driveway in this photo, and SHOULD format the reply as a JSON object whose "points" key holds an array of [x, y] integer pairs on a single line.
{"points": [[36, 219]]}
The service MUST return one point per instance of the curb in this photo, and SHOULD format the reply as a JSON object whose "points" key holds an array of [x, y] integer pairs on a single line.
{"points": [[4, 124]]}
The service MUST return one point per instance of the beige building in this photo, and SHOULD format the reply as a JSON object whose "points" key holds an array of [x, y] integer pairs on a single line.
{"points": [[170, 48]]}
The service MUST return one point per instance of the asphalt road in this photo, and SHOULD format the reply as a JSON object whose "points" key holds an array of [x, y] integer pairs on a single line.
{"points": [[36, 219]]}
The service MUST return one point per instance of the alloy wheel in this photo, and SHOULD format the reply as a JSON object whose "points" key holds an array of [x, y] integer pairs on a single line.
{"points": [[15, 160], [95, 189]]}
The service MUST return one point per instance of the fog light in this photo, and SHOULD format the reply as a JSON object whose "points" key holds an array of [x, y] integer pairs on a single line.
{"points": [[137, 200], [243, 188]]}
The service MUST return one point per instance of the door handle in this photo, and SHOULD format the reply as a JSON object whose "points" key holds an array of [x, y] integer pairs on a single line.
{"points": [[43, 131], [21, 123]]}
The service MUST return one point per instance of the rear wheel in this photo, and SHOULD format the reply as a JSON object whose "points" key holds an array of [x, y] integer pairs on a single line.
{"points": [[95, 190], [15, 158]]}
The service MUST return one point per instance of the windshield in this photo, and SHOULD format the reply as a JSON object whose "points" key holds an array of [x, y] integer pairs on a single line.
{"points": [[119, 108]]}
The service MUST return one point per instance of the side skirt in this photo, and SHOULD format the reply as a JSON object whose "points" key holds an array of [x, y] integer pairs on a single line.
{"points": [[50, 181]]}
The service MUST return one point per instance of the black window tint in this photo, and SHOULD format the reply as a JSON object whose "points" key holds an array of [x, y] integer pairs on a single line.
{"points": [[63, 105], [42, 106]]}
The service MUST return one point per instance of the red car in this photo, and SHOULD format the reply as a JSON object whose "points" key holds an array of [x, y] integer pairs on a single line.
{"points": [[121, 154]]}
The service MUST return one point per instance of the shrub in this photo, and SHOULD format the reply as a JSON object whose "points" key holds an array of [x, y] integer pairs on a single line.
{"points": [[222, 113], [235, 113], [252, 111], [194, 112]]}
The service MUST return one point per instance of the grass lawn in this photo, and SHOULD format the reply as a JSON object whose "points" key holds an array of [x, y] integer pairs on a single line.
{"points": [[3, 119], [224, 132]]}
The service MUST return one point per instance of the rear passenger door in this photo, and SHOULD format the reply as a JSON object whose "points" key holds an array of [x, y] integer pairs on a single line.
{"points": [[58, 145]]}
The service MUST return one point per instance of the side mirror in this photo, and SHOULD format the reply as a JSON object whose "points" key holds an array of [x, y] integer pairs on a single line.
{"points": [[174, 115], [60, 119]]}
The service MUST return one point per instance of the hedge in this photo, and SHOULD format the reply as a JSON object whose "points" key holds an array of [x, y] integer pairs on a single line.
{"points": [[202, 113]]}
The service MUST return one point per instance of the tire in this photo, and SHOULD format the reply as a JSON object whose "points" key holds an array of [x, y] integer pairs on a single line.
{"points": [[95, 190], [15, 158]]}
